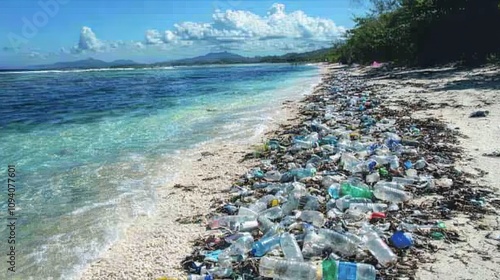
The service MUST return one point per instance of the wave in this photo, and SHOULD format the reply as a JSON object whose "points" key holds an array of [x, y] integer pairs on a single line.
{"points": [[87, 70]]}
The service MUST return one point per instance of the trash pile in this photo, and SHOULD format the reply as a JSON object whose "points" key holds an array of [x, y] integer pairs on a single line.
{"points": [[338, 196]]}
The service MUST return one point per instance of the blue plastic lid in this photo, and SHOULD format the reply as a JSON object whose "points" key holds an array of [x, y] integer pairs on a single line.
{"points": [[401, 239]]}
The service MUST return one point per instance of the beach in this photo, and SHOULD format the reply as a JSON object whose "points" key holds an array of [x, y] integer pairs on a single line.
{"points": [[154, 246]]}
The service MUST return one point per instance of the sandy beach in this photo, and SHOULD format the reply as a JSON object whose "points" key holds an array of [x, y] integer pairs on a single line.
{"points": [[154, 246]]}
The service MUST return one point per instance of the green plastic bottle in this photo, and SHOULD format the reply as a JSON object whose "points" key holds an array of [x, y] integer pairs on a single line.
{"points": [[347, 188]]}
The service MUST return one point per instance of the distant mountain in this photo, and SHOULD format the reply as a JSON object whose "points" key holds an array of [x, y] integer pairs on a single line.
{"points": [[85, 64], [211, 58]]}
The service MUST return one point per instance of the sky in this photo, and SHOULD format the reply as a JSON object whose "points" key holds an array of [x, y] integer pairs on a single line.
{"points": [[47, 31]]}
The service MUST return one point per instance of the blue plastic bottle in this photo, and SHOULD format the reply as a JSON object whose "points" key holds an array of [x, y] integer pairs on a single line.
{"points": [[264, 245]]}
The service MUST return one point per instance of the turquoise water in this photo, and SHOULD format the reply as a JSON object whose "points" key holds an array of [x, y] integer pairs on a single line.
{"points": [[90, 147]]}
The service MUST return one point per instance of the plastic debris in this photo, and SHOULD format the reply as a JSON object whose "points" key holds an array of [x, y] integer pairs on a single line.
{"points": [[333, 197]]}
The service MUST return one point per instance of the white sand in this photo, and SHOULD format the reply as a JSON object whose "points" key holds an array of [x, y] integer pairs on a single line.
{"points": [[478, 257], [155, 246]]}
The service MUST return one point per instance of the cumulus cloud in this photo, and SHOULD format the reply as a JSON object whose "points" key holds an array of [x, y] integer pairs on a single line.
{"points": [[243, 26], [241, 31], [88, 42]]}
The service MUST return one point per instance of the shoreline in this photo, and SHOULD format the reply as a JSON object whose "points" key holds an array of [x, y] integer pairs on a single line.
{"points": [[155, 245], [218, 167]]}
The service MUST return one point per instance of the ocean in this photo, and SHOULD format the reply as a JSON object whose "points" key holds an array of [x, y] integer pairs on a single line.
{"points": [[91, 146]]}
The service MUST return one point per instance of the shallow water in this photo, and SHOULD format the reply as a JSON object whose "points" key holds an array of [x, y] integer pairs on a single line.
{"points": [[90, 147]]}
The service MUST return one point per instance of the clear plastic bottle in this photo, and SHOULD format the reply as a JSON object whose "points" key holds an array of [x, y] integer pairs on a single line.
{"points": [[373, 178], [272, 176], [403, 181], [244, 211], [228, 221], [291, 204], [315, 243], [264, 245], [337, 270], [309, 202], [390, 191], [344, 202], [351, 163], [366, 207], [301, 173], [290, 247], [200, 277], [239, 248], [287, 269], [315, 218], [272, 213], [378, 247]]}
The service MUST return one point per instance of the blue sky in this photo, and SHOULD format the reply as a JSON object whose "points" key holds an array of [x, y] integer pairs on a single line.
{"points": [[47, 31]]}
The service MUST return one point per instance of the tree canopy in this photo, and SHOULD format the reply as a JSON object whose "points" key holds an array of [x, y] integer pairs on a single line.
{"points": [[425, 32]]}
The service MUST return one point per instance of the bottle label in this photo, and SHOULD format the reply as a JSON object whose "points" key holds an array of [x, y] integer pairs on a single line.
{"points": [[347, 271]]}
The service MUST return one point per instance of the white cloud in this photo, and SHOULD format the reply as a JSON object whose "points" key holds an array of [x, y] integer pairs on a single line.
{"points": [[244, 27], [88, 42], [278, 31]]}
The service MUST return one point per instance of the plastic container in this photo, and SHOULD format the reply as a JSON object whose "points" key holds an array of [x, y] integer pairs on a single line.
{"points": [[314, 243], [287, 269], [390, 191], [290, 247], [379, 249], [315, 218], [355, 191], [265, 244], [337, 270], [344, 203], [229, 221], [199, 277]]}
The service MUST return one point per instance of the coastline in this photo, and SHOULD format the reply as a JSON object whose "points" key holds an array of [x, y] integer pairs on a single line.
{"points": [[155, 245]]}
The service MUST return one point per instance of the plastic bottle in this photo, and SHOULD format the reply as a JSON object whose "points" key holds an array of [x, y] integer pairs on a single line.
{"points": [[290, 247], [272, 213], [228, 221], [337, 270], [390, 191], [200, 277], [264, 245], [351, 163], [309, 202], [348, 188], [365, 207], [291, 204], [287, 269], [272, 176], [315, 218], [315, 243], [344, 202], [244, 211], [334, 190], [373, 178], [378, 247], [239, 248], [403, 181], [301, 173]]}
